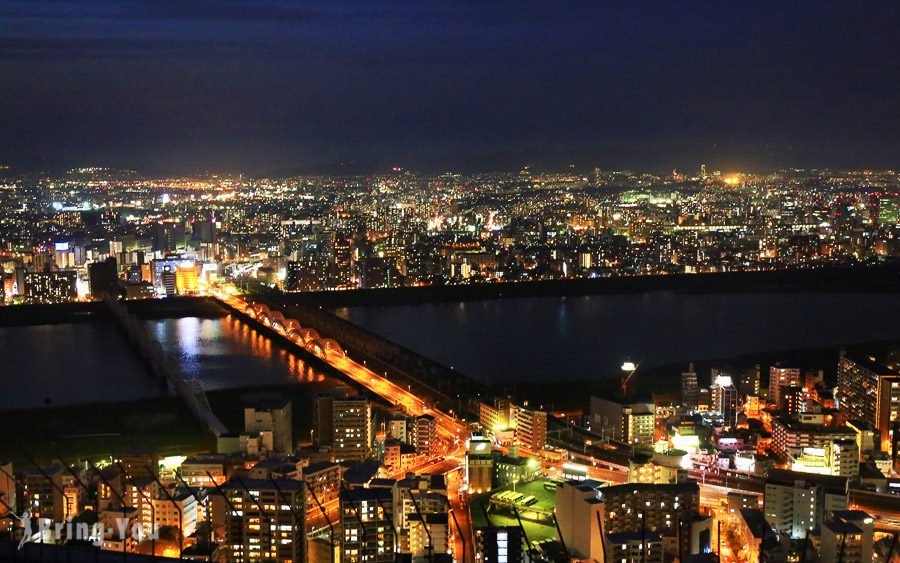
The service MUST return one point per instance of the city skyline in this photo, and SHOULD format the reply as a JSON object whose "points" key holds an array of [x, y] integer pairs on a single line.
{"points": [[378, 281]]}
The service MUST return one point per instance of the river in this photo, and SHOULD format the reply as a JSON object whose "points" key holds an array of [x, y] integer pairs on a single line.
{"points": [[545, 339]]}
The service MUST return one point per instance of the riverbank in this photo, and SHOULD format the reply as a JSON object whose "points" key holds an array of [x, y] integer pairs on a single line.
{"points": [[880, 278]]}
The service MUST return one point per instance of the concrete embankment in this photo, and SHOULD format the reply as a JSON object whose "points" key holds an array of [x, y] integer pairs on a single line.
{"points": [[162, 367]]}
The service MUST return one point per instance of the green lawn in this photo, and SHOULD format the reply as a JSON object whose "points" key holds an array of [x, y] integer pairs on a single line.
{"points": [[99, 430]]}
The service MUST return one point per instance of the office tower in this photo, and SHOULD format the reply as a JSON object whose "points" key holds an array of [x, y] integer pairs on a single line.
{"points": [[531, 427], [272, 416], [689, 388], [343, 277], [323, 416], [168, 280], [50, 287], [205, 231], [265, 520], [479, 465], [780, 377], [295, 276], [501, 543], [103, 278], [367, 527], [168, 237], [423, 434], [724, 399], [187, 281], [795, 503], [352, 424], [870, 392]]}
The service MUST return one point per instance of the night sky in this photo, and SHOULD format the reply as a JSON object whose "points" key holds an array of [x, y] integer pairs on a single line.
{"points": [[269, 87]]}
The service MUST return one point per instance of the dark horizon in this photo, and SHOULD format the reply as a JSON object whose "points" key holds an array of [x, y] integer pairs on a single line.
{"points": [[275, 88]]}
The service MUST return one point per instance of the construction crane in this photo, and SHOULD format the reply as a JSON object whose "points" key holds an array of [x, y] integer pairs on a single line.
{"points": [[628, 369]]}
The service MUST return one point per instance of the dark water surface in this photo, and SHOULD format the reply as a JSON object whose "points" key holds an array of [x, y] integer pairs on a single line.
{"points": [[588, 337], [72, 364]]}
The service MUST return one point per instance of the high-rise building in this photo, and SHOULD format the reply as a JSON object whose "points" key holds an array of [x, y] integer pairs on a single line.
{"points": [[689, 388], [660, 508], [748, 384], [578, 510], [169, 280], [423, 437], [187, 281], [352, 426], [323, 415], [417, 497], [367, 525], [265, 520], [530, 426], [724, 398], [795, 503], [51, 287], [870, 392], [780, 377], [631, 423], [168, 236], [806, 430], [103, 278], [848, 536]]}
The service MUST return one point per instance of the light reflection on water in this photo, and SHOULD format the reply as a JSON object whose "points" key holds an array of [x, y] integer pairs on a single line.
{"points": [[70, 364], [224, 353]]}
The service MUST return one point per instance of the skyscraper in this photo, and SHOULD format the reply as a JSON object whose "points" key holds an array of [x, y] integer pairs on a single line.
{"points": [[352, 426], [869, 391], [689, 388], [724, 397], [779, 378]]}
